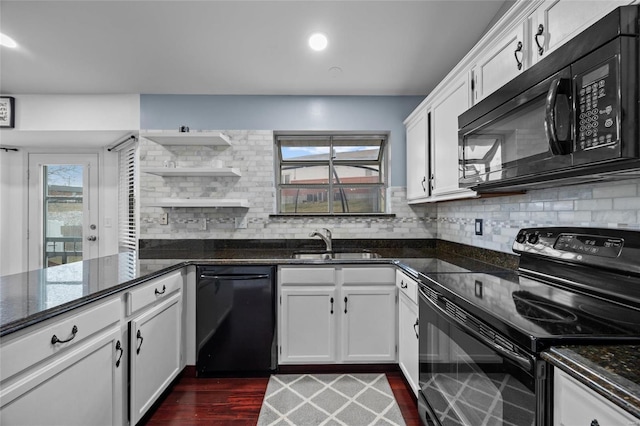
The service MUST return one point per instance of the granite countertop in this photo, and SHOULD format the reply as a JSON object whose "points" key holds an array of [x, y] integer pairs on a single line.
{"points": [[611, 371], [30, 297]]}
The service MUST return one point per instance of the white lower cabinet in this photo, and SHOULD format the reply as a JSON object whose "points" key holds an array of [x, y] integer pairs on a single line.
{"points": [[308, 325], [155, 356], [408, 322], [336, 314], [368, 323], [78, 380], [574, 404]]}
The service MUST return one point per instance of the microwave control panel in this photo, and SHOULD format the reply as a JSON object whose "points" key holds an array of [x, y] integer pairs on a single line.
{"points": [[598, 115]]}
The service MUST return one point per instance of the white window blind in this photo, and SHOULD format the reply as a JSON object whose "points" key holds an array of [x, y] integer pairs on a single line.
{"points": [[128, 198]]}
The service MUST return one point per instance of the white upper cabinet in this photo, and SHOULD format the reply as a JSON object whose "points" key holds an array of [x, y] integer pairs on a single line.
{"points": [[501, 62], [417, 156], [509, 48], [444, 132], [557, 21]]}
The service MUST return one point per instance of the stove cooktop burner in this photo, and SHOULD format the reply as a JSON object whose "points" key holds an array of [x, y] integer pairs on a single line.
{"points": [[539, 311], [621, 316]]}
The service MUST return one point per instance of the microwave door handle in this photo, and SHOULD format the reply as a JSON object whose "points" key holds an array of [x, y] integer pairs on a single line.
{"points": [[559, 87]]}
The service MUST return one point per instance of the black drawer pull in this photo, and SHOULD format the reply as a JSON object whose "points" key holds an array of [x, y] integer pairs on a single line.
{"points": [[139, 336], [538, 34], [515, 53], [345, 305], [54, 338], [119, 348], [332, 306], [415, 330], [403, 285], [164, 288]]}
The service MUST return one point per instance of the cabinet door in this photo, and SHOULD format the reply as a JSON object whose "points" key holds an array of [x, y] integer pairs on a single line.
{"points": [[444, 124], [557, 21], [417, 166], [83, 386], [575, 404], [502, 62], [155, 342], [408, 340], [368, 317], [308, 324]]}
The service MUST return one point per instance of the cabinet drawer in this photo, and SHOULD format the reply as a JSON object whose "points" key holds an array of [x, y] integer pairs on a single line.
{"points": [[407, 286], [37, 346], [368, 275], [150, 293], [308, 276]]}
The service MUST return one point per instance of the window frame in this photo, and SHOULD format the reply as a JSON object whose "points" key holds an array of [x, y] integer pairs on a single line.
{"points": [[331, 162]]}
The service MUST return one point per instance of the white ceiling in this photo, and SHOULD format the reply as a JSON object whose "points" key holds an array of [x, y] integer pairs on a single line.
{"points": [[236, 47]]}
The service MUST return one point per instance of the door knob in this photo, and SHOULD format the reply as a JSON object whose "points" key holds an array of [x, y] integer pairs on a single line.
{"points": [[92, 238]]}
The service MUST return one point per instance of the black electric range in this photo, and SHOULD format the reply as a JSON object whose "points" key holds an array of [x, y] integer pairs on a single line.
{"points": [[573, 286]]}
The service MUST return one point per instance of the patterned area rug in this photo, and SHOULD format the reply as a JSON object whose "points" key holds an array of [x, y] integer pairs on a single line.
{"points": [[329, 399]]}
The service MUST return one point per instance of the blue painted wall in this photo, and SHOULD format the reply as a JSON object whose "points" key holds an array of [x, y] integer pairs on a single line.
{"points": [[219, 112]]}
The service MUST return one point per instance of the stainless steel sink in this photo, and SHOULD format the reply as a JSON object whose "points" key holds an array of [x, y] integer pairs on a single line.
{"points": [[315, 255]]}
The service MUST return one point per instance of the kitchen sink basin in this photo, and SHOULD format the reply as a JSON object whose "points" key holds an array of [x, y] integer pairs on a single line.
{"points": [[325, 255]]}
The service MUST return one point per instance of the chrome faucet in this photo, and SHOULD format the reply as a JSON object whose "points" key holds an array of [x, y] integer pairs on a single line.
{"points": [[326, 237]]}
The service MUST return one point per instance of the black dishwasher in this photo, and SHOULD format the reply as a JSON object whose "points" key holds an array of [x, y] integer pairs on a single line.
{"points": [[235, 320]]}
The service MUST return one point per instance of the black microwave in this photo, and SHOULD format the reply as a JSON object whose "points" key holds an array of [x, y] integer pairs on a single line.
{"points": [[571, 118]]}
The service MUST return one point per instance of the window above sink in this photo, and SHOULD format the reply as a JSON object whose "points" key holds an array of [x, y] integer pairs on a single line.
{"points": [[331, 173]]}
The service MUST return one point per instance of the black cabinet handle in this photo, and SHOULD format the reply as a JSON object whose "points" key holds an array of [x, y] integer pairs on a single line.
{"points": [[332, 306], [515, 53], [139, 336], [164, 288], [414, 328], [345, 305], [403, 285], [538, 34], [54, 338], [424, 179], [119, 348]]}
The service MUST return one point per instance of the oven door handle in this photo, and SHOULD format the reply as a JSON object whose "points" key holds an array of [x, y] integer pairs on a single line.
{"points": [[507, 353]]}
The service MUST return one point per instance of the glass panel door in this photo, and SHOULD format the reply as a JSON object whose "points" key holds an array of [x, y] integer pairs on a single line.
{"points": [[63, 209], [62, 215]]}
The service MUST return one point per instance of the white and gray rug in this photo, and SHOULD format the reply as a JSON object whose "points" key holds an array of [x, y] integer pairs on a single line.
{"points": [[329, 400]]}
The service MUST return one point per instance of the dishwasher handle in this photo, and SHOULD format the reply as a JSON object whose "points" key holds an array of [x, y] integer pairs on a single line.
{"points": [[235, 277]]}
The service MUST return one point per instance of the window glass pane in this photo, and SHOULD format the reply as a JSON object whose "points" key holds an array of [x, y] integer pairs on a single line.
{"points": [[63, 214], [307, 149], [356, 149], [304, 200], [347, 174], [358, 199], [301, 174]]}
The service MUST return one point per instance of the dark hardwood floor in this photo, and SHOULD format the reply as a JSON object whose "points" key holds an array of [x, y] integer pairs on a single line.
{"points": [[237, 401]]}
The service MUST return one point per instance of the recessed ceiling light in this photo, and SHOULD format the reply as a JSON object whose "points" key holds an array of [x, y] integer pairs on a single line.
{"points": [[7, 41], [318, 41]]}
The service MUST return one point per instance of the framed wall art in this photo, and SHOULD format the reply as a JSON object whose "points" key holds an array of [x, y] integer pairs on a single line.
{"points": [[7, 112]]}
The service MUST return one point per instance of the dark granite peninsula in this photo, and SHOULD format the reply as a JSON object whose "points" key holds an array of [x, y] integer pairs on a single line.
{"points": [[611, 371], [30, 297]]}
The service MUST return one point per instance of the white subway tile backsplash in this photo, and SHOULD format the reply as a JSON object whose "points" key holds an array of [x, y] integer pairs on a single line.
{"points": [[621, 189], [252, 153], [608, 204]]}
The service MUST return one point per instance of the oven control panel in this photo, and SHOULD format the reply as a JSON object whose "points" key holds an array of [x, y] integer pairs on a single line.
{"points": [[589, 244], [616, 249]]}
